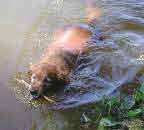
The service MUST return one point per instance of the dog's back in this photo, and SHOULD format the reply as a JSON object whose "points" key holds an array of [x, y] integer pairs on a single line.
{"points": [[59, 59]]}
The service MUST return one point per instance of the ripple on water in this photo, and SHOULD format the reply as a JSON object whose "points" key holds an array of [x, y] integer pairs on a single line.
{"points": [[109, 64]]}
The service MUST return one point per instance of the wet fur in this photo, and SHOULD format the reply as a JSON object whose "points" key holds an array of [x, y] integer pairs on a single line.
{"points": [[58, 60]]}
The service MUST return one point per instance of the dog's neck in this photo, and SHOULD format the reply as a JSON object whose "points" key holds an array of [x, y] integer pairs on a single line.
{"points": [[60, 64]]}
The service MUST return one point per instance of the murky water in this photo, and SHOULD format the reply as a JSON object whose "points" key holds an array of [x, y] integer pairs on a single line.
{"points": [[26, 28]]}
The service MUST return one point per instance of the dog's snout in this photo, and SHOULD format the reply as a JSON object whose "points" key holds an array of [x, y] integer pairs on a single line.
{"points": [[35, 94]]}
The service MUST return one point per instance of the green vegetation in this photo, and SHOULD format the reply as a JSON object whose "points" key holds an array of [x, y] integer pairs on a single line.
{"points": [[125, 112]]}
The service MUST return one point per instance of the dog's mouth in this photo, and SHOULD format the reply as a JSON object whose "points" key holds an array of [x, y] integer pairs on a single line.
{"points": [[38, 88], [35, 94]]}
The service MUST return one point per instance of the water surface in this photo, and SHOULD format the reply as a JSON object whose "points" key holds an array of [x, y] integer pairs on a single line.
{"points": [[26, 28]]}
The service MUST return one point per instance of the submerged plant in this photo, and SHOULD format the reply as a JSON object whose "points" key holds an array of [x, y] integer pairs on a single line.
{"points": [[124, 112]]}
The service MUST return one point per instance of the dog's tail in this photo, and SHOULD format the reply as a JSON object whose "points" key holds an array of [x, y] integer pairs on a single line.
{"points": [[92, 12]]}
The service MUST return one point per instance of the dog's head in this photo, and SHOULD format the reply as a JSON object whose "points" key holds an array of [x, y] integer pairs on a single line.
{"points": [[41, 78]]}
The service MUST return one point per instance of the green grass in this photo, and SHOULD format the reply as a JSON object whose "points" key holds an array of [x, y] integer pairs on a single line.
{"points": [[118, 113]]}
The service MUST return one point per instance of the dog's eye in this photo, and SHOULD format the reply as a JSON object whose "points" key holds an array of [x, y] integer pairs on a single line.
{"points": [[33, 78], [47, 83], [47, 79]]}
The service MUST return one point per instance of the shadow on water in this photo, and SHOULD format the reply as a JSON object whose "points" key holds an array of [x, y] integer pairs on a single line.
{"points": [[108, 66]]}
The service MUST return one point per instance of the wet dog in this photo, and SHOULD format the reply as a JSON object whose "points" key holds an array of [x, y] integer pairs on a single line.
{"points": [[59, 58]]}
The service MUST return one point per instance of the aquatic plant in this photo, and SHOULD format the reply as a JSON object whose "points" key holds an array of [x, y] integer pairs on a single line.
{"points": [[123, 112]]}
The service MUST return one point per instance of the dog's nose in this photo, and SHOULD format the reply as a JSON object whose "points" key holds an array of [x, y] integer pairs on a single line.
{"points": [[35, 94]]}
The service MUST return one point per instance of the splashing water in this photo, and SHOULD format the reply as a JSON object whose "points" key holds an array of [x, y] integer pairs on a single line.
{"points": [[109, 65]]}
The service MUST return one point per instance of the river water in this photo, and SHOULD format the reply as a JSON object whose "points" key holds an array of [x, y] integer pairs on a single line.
{"points": [[26, 28]]}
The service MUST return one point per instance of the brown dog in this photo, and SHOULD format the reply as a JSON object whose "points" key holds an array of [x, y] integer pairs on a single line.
{"points": [[60, 57]]}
